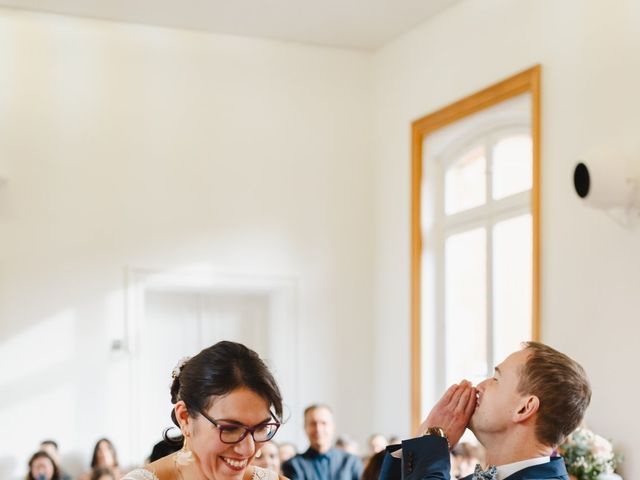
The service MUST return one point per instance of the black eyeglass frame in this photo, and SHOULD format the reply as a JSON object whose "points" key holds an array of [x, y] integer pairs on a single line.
{"points": [[221, 428]]}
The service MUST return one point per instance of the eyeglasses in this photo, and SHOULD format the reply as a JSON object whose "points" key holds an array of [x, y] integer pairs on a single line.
{"points": [[235, 433]]}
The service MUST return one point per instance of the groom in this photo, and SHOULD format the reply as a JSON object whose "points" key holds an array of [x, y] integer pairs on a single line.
{"points": [[521, 414]]}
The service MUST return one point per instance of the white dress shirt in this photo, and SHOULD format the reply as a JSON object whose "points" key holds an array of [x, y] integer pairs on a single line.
{"points": [[503, 471]]}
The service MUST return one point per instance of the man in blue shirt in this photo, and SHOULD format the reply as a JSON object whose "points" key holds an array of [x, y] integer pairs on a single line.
{"points": [[321, 461]]}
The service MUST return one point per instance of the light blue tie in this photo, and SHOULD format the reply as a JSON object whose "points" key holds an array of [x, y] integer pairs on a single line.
{"points": [[488, 474]]}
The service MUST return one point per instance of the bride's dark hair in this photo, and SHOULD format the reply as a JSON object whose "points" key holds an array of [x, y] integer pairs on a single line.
{"points": [[218, 370]]}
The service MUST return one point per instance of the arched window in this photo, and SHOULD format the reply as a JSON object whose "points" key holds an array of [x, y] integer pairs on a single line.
{"points": [[475, 253]]}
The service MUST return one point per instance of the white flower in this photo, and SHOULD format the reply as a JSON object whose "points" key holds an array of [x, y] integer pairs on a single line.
{"points": [[178, 368], [601, 447]]}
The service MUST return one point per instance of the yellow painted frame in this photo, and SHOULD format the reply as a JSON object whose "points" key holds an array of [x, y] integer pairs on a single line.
{"points": [[526, 81]]}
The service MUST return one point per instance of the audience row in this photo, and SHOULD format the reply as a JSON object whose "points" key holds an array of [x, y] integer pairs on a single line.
{"points": [[45, 463], [281, 458]]}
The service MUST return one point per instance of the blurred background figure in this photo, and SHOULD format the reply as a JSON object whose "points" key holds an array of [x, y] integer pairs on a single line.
{"points": [[287, 451], [268, 457], [42, 467], [376, 443], [348, 444], [394, 440], [102, 473], [51, 447], [104, 456], [464, 457], [321, 460]]}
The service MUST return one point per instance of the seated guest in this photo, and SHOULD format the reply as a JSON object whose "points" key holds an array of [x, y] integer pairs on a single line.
{"points": [[104, 456], [464, 458], [42, 467], [520, 415], [51, 447], [287, 451], [102, 473], [394, 440], [377, 442], [268, 457], [348, 444], [321, 461]]}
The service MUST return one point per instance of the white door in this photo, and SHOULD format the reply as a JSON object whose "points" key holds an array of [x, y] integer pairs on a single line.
{"points": [[175, 324]]}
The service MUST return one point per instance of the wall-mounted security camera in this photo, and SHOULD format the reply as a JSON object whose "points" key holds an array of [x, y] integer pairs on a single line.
{"points": [[608, 183]]}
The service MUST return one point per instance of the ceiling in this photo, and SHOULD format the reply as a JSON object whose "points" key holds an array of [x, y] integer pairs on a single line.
{"points": [[363, 24]]}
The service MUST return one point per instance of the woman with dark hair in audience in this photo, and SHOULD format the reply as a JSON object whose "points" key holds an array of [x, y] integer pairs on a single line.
{"points": [[374, 465], [42, 467], [104, 456], [226, 404], [51, 447], [102, 473]]}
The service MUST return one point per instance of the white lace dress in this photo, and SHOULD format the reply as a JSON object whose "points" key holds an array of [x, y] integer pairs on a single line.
{"points": [[142, 474]]}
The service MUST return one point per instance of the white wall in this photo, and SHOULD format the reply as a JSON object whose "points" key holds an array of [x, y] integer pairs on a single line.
{"points": [[132, 146], [590, 265]]}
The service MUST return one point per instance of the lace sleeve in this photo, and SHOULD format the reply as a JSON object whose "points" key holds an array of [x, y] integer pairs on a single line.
{"points": [[140, 474], [264, 474]]}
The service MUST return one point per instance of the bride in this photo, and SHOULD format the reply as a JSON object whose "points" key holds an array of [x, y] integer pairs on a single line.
{"points": [[226, 404]]}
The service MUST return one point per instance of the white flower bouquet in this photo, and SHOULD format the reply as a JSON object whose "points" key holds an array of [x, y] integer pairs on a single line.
{"points": [[588, 455]]}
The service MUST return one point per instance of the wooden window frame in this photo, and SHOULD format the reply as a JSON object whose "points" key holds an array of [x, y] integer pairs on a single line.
{"points": [[527, 81]]}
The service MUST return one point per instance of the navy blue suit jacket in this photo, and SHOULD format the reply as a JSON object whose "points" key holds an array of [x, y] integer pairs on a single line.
{"points": [[342, 466], [423, 458], [427, 458]]}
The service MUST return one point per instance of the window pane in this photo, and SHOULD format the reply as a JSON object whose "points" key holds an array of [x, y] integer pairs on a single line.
{"points": [[465, 183], [511, 285], [465, 306], [512, 166]]}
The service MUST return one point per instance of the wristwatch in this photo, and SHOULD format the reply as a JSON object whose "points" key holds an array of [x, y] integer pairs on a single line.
{"points": [[438, 432]]}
